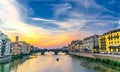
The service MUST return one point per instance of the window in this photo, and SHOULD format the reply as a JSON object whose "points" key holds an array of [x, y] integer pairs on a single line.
{"points": [[108, 37], [117, 41], [111, 38], [114, 35], [111, 42], [117, 36], [118, 49]]}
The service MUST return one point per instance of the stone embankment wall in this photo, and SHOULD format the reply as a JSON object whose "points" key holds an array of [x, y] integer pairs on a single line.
{"points": [[5, 59], [102, 56]]}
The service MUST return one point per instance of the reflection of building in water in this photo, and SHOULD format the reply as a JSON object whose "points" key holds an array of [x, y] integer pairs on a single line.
{"points": [[15, 64], [5, 67]]}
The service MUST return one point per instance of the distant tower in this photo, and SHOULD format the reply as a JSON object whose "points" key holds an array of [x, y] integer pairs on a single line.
{"points": [[16, 39]]}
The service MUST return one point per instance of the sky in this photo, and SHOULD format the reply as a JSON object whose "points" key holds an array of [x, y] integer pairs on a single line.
{"points": [[55, 23]]}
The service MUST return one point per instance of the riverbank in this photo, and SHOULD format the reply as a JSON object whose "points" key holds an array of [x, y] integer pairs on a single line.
{"points": [[14, 57], [106, 60], [5, 59], [102, 56], [10, 58]]}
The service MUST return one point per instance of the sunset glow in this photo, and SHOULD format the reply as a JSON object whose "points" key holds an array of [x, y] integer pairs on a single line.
{"points": [[57, 26]]}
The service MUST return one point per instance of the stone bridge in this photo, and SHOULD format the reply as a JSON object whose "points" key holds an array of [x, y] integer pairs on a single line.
{"points": [[56, 51]]}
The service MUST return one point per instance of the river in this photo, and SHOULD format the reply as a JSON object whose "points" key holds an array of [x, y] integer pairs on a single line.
{"points": [[48, 63]]}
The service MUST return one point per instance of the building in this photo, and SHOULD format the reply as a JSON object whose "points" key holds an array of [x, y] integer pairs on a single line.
{"points": [[20, 47], [25, 47], [32, 48], [75, 45], [64, 48], [5, 45], [71, 46], [109, 42], [78, 45], [90, 43], [81, 46], [15, 47], [8, 47]]}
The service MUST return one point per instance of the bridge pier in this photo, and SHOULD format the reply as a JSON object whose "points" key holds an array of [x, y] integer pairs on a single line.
{"points": [[42, 53], [56, 53]]}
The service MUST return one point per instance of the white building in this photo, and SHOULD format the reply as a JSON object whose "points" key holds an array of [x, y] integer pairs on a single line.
{"points": [[25, 47], [8, 47], [5, 45], [90, 42]]}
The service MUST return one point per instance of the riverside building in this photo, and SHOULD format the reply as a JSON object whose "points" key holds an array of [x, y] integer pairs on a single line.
{"points": [[5, 45], [20, 47], [109, 42], [91, 43]]}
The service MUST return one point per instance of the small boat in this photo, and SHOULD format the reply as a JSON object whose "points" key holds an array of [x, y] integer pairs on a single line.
{"points": [[57, 59]]}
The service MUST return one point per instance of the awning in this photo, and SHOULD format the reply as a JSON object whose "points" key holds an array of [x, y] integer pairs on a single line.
{"points": [[113, 47], [118, 46]]}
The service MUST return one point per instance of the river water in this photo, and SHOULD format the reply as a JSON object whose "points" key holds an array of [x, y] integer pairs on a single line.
{"points": [[48, 63]]}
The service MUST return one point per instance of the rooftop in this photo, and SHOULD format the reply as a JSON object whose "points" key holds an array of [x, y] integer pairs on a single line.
{"points": [[112, 31]]}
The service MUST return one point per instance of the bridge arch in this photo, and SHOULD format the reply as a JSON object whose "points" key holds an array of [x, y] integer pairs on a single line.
{"points": [[56, 51]]}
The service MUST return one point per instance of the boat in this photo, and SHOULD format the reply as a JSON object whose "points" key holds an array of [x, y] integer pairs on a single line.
{"points": [[57, 59]]}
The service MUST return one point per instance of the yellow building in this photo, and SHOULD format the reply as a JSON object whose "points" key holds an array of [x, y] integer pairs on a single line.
{"points": [[110, 42]]}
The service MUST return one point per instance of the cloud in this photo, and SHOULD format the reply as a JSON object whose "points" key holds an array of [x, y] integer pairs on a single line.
{"points": [[74, 20], [119, 24], [83, 18], [12, 23], [61, 8], [70, 24], [86, 13], [41, 19], [81, 14]]}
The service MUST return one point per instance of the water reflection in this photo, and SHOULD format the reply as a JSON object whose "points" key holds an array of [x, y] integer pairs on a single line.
{"points": [[48, 63], [5, 68], [12, 66]]}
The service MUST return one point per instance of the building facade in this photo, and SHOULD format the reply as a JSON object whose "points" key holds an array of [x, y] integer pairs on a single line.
{"points": [[109, 42], [71, 46], [25, 47], [20, 47], [8, 47], [15, 47], [5, 45], [76, 45], [81, 46], [90, 43]]}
